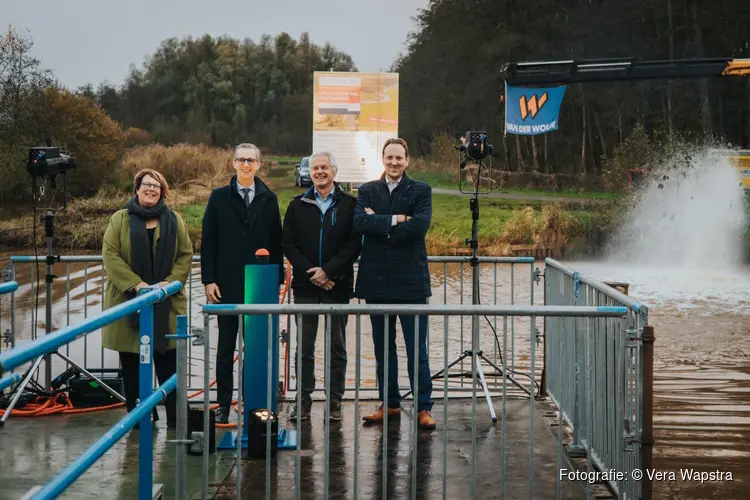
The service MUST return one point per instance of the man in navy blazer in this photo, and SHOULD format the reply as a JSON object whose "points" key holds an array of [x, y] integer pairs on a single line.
{"points": [[393, 214]]}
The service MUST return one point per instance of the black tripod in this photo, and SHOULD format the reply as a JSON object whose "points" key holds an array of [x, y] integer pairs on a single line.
{"points": [[476, 354], [49, 232]]}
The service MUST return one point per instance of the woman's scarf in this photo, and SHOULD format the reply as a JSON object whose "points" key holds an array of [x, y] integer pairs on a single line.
{"points": [[155, 268]]}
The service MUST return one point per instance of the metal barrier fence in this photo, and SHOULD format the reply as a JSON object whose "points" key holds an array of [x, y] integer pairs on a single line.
{"points": [[141, 415], [79, 291], [7, 287], [595, 368], [599, 373], [494, 449]]}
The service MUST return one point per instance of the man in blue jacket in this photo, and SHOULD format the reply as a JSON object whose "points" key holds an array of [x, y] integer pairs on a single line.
{"points": [[321, 244], [240, 218], [394, 215]]}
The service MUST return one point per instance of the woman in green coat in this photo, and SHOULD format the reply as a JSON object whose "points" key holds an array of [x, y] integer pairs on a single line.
{"points": [[146, 244]]}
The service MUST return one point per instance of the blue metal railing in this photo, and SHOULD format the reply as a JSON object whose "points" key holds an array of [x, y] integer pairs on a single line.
{"points": [[14, 358], [68, 476], [9, 380], [141, 415], [8, 287]]}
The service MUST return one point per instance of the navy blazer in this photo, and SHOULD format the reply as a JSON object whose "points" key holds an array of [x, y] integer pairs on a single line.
{"points": [[393, 263]]}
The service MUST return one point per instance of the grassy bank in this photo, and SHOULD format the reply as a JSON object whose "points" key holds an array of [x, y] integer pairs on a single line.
{"points": [[451, 181], [506, 227]]}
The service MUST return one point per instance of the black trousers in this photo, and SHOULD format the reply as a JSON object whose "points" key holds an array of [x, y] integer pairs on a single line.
{"points": [[228, 330], [165, 366], [337, 348]]}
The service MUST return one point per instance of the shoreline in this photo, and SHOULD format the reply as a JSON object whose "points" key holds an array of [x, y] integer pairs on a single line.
{"points": [[508, 227]]}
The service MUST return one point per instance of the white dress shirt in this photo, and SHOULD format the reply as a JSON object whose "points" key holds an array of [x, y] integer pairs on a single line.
{"points": [[391, 187]]}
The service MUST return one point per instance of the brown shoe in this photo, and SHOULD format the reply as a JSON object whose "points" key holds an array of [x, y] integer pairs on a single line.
{"points": [[379, 417], [425, 420]]}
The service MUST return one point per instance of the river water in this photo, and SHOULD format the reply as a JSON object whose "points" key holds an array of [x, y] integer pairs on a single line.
{"points": [[702, 363]]}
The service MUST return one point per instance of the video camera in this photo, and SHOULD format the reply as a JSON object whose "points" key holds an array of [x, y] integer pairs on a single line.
{"points": [[47, 161], [474, 148], [475, 145]]}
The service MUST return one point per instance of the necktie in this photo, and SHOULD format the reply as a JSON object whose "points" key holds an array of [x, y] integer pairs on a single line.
{"points": [[246, 191]]}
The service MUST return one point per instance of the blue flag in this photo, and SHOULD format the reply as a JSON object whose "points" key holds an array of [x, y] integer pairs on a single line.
{"points": [[532, 111]]}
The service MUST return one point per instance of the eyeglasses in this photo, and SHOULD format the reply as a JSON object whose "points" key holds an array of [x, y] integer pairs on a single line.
{"points": [[247, 161], [148, 185]]}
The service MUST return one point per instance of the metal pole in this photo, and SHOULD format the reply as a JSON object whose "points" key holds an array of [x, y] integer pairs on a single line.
{"points": [[49, 231], [327, 383], [146, 385], [85, 311], [543, 382], [357, 375], [419, 309], [298, 387], [415, 424], [532, 385], [445, 407], [240, 403], [206, 398], [386, 343], [13, 308], [505, 394], [648, 407], [181, 413], [512, 323], [474, 243], [190, 323]]}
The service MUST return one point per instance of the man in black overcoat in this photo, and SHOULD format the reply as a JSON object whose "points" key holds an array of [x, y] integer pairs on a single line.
{"points": [[240, 218]]}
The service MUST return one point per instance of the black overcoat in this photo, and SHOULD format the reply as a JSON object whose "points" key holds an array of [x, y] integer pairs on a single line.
{"points": [[231, 234]]}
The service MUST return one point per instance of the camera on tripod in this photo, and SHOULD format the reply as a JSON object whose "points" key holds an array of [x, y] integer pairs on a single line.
{"points": [[475, 146], [48, 161], [44, 164]]}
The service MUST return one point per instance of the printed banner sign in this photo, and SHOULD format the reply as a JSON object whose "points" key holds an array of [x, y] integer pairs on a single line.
{"points": [[353, 115], [532, 111]]}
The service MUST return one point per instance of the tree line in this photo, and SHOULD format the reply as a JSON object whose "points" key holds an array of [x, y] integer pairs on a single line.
{"points": [[215, 91], [450, 75], [222, 91]]}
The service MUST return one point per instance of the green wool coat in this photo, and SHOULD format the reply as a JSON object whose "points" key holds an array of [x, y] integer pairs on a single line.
{"points": [[121, 335]]}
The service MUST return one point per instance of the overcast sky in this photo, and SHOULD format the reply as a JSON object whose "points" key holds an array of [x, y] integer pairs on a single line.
{"points": [[91, 41]]}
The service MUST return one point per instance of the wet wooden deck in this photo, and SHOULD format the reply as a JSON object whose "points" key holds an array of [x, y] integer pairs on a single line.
{"points": [[33, 450]]}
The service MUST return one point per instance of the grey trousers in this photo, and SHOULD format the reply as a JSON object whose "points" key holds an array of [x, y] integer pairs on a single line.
{"points": [[309, 330]]}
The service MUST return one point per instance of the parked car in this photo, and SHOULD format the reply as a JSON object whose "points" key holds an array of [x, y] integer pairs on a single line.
{"points": [[302, 173]]}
